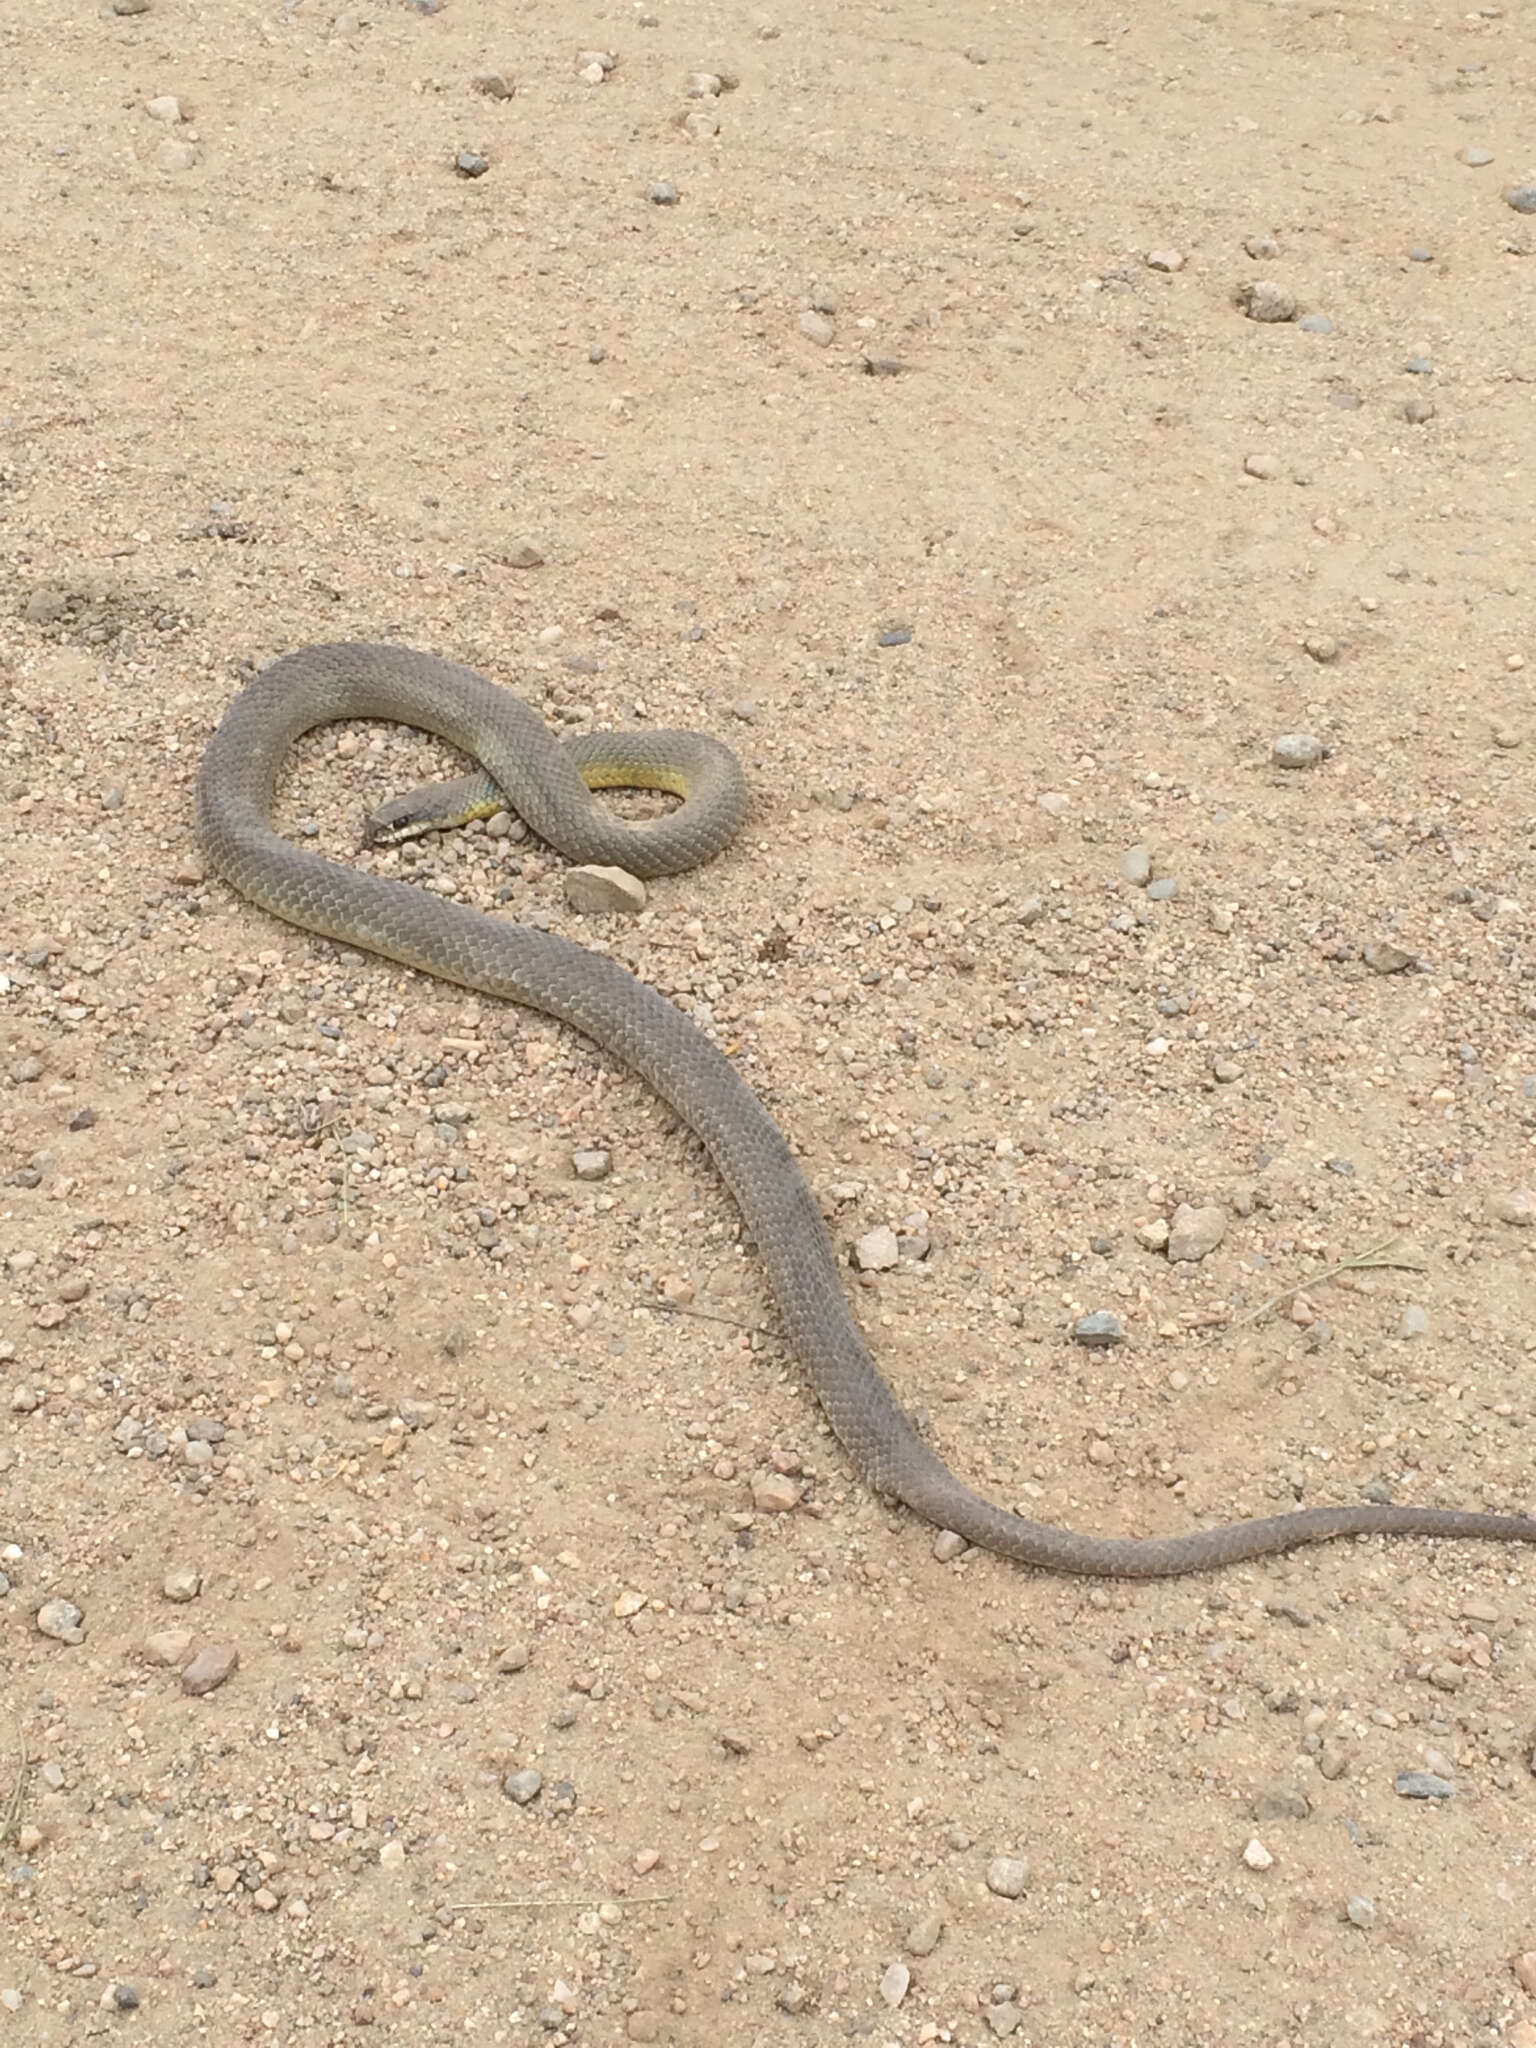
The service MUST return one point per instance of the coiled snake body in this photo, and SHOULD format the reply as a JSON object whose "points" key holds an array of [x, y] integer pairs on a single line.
{"points": [[547, 782]]}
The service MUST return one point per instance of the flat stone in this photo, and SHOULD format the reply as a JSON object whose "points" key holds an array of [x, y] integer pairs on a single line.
{"points": [[1516, 1206], [1193, 1233], [171, 1647], [210, 1668], [591, 1164], [1382, 958], [1423, 1785], [182, 1583], [816, 327], [1099, 1331], [595, 891], [894, 1984], [523, 1787]]}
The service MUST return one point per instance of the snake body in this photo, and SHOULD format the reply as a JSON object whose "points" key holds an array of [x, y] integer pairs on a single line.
{"points": [[547, 781]]}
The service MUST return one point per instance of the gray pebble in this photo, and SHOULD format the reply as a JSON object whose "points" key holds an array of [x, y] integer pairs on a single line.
{"points": [[948, 1545], [182, 1583], [591, 1164], [62, 1620], [1163, 890], [1297, 750], [1415, 1321], [825, 298], [130, 6], [1359, 1911], [1136, 866], [663, 193], [597, 353], [1315, 323], [894, 636], [1474, 156], [1419, 254], [1099, 1331], [1521, 197], [522, 1787], [1261, 247], [1423, 1785], [1418, 410], [816, 327], [493, 84], [469, 163], [1008, 1876], [1419, 366]]}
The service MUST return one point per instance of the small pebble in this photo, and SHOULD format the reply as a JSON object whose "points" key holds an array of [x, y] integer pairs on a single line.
{"points": [[1194, 1233], [1261, 247], [469, 163], [1474, 156], [1359, 1911], [775, 1493], [210, 1668], [1415, 1321], [595, 891], [1099, 1331], [130, 6], [1524, 1967], [1008, 1876], [183, 1582], [1281, 1802], [894, 1984], [493, 84], [1419, 366], [1315, 323], [1515, 1206], [1167, 260], [62, 1620], [923, 1935], [1256, 1856], [1163, 890], [1419, 254], [1136, 866], [1382, 958], [171, 1647], [1521, 197], [522, 1787], [1322, 647], [948, 1545], [894, 636], [1418, 410], [522, 553], [591, 1164], [1297, 750], [816, 327], [1423, 1785], [663, 193], [1268, 303], [1264, 466], [166, 107], [877, 1250]]}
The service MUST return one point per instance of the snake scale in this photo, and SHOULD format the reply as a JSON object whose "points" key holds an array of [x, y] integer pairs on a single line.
{"points": [[547, 782]]}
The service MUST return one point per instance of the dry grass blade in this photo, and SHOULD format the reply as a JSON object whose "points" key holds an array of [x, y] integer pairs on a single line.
{"points": [[1379, 1255], [10, 1820]]}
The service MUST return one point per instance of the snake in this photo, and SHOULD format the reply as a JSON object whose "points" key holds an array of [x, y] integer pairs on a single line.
{"points": [[548, 782]]}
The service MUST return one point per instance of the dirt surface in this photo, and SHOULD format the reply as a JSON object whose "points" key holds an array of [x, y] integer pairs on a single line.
{"points": [[313, 1346]]}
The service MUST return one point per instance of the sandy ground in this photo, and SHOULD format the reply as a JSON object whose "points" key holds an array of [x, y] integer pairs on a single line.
{"points": [[313, 1347]]}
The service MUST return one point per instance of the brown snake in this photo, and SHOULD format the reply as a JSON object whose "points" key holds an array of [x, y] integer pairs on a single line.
{"points": [[547, 782]]}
